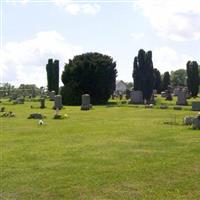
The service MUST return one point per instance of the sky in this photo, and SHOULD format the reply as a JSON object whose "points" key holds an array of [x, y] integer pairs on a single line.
{"points": [[32, 31]]}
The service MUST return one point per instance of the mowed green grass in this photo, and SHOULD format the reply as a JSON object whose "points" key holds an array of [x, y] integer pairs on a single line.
{"points": [[118, 152]]}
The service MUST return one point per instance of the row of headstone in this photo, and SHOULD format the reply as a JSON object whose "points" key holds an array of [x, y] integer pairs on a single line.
{"points": [[57, 102]]}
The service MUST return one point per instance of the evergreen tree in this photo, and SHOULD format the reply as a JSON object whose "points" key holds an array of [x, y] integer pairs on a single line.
{"points": [[89, 73], [166, 81], [193, 78], [52, 69], [143, 76], [157, 80]]}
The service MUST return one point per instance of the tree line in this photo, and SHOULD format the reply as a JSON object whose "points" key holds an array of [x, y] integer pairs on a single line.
{"points": [[95, 74]]}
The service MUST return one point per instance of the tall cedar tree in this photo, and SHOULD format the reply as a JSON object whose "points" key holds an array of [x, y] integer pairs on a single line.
{"points": [[143, 75], [52, 69], [166, 81], [193, 78], [157, 80], [89, 73]]}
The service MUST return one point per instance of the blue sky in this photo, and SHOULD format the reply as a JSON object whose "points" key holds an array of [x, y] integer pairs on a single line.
{"points": [[32, 32]]}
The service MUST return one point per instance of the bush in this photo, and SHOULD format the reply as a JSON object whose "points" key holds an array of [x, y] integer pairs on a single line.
{"points": [[90, 73]]}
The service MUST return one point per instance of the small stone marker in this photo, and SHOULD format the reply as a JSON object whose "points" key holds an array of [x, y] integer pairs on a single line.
{"points": [[196, 105], [14, 96], [52, 95], [36, 116], [163, 107], [18, 101], [58, 102], [188, 120], [137, 97], [177, 108], [42, 103], [155, 91], [85, 102], [163, 94], [152, 100], [181, 98], [196, 123]]}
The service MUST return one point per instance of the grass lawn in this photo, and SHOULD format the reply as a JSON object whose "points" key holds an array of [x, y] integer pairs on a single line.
{"points": [[116, 152]]}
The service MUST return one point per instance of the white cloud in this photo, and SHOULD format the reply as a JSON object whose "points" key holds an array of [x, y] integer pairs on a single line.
{"points": [[14, 2], [78, 8], [69, 6], [167, 59], [24, 62], [176, 20], [137, 36]]}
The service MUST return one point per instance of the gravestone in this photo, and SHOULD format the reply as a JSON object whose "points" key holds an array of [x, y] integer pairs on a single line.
{"points": [[176, 91], [177, 108], [18, 101], [137, 97], [168, 94], [14, 96], [188, 120], [36, 116], [58, 102], [181, 98], [42, 103], [155, 91], [152, 100], [163, 94], [85, 102], [196, 123], [196, 105], [163, 107], [52, 95]]}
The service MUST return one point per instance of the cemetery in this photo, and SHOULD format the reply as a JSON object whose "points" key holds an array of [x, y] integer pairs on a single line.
{"points": [[118, 150], [85, 140], [99, 100]]}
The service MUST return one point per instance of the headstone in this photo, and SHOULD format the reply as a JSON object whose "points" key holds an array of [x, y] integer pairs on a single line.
{"points": [[14, 96], [33, 93], [52, 95], [86, 102], [163, 94], [152, 100], [196, 105], [177, 108], [58, 102], [176, 91], [181, 98], [137, 97], [196, 123], [42, 103], [148, 106], [168, 94], [36, 116], [163, 107], [188, 120], [155, 91], [18, 101]]}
